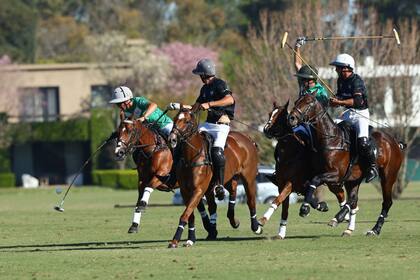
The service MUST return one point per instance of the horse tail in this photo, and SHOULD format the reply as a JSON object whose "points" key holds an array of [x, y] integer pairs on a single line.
{"points": [[402, 145]]}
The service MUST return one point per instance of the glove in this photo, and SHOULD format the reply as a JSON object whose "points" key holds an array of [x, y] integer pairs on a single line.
{"points": [[300, 42], [113, 135], [173, 106]]}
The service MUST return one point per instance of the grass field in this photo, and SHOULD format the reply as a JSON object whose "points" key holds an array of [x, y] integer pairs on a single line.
{"points": [[89, 240]]}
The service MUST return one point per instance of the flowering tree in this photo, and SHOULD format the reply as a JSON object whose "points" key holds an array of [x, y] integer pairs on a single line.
{"points": [[135, 63], [183, 58]]}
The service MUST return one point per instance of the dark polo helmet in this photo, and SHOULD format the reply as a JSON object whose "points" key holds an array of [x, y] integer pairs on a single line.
{"points": [[306, 72], [205, 67]]}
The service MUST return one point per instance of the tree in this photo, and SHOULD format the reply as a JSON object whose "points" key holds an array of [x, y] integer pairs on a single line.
{"points": [[61, 39], [17, 30], [183, 58]]}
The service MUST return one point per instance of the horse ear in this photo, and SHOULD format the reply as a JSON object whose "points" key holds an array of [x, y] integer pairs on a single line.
{"points": [[287, 104], [274, 104]]}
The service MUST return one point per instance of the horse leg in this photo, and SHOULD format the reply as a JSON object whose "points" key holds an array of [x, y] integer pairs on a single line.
{"points": [[283, 195], [212, 207], [387, 183], [251, 193], [231, 187], [341, 198], [352, 189], [325, 178], [204, 216], [191, 205], [191, 231], [284, 215], [134, 228]]}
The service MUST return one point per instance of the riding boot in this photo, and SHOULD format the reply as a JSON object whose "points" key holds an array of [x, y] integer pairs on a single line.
{"points": [[219, 160], [366, 150]]}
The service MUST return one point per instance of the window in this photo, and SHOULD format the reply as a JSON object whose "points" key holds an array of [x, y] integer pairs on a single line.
{"points": [[100, 96], [40, 104]]}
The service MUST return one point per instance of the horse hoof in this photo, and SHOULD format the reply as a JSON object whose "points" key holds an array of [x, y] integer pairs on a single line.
{"points": [[371, 233], [259, 230], [235, 223], [278, 237], [262, 221], [323, 207], [212, 235], [134, 228], [188, 243], [347, 232], [304, 210], [333, 223], [219, 192], [173, 244]]}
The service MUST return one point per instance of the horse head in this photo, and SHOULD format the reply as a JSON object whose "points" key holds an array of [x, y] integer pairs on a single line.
{"points": [[306, 109], [185, 125], [128, 133], [276, 125]]}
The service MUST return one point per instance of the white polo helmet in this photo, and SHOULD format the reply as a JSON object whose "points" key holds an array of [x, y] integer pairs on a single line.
{"points": [[343, 60], [121, 94]]}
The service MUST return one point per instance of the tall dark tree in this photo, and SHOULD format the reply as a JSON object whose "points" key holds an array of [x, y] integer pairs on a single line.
{"points": [[17, 30]]}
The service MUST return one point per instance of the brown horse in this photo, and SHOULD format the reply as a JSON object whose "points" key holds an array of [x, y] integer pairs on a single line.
{"points": [[154, 161], [337, 166], [152, 157], [196, 172], [292, 161]]}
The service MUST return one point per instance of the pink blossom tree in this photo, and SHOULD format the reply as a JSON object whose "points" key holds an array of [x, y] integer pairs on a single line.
{"points": [[183, 58]]}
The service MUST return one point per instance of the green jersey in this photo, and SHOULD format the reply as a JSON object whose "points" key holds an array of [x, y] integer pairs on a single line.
{"points": [[320, 93], [140, 105]]}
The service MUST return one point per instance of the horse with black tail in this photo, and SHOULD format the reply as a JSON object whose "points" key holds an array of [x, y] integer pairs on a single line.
{"points": [[338, 165], [195, 174], [293, 167]]}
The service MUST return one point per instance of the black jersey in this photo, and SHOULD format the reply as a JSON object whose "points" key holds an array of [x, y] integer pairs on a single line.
{"points": [[215, 91], [346, 89]]}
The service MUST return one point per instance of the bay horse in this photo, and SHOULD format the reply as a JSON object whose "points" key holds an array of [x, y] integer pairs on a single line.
{"points": [[154, 161], [293, 169], [337, 164], [195, 173]]}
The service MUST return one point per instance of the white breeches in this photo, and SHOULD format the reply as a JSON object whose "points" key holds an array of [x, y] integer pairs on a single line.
{"points": [[359, 119], [218, 131], [167, 129]]}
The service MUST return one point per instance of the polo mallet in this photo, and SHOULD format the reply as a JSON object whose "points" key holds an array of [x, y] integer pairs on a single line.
{"points": [[59, 207], [395, 36], [284, 43]]}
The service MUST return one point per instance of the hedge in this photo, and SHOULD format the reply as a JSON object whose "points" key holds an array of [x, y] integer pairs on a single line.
{"points": [[7, 180], [120, 179]]}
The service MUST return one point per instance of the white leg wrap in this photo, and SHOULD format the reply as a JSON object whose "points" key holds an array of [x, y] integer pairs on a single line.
{"points": [[213, 218], [343, 203], [270, 211], [146, 194], [312, 186], [282, 229], [136, 217], [354, 211], [232, 201], [352, 223]]}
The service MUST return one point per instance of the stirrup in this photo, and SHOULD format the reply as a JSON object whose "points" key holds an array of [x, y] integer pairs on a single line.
{"points": [[372, 174]]}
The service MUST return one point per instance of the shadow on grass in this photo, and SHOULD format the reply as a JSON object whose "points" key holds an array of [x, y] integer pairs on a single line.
{"points": [[368, 222], [119, 245]]}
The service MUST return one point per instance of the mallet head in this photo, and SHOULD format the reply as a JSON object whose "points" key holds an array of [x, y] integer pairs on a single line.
{"points": [[59, 208], [284, 39]]}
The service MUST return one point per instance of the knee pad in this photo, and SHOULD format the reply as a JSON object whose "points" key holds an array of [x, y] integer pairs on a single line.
{"points": [[218, 156]]}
